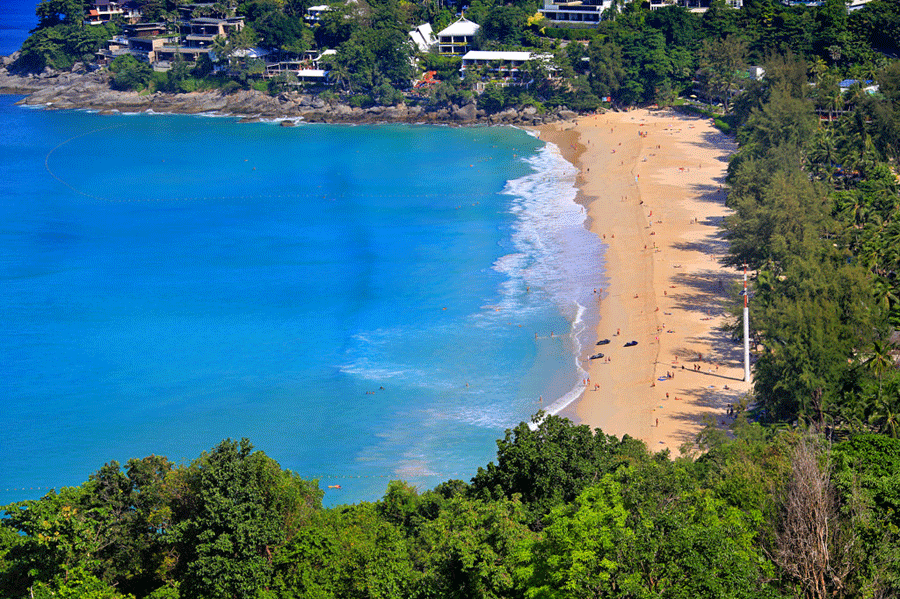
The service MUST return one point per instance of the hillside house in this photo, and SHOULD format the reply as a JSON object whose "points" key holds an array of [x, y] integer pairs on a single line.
{"points": [[458, 38], [309, 69], [504, 65], [201, 32], [423, 37], [576, 11], [104, 11], [315, 14]]}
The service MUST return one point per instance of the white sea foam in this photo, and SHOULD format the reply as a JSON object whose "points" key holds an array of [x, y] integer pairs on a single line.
{"points": [[555, 253]]}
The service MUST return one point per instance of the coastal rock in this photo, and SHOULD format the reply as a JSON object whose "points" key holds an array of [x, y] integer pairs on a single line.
{"points": [[465, 113], [341, 110], [83, 88], [394, 113]]}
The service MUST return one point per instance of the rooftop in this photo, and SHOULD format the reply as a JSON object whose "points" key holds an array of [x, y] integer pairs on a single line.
{"points": [[461, 27], [496, 55]]}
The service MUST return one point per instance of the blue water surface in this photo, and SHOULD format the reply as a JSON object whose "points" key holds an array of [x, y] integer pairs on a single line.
{"points": [[363, 303], [17, 18]]}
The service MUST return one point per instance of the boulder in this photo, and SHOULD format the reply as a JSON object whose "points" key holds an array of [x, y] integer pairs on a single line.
{"points": [[466, 113]]}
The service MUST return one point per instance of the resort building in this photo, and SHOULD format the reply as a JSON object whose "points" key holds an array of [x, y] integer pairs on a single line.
{"points": [[314, 14], [505, 65], [144, 30], [148, 49], [576, 11], [309, 69], [423, 37], [201, 32], [458, 38], [856, 4], [104, 11]]}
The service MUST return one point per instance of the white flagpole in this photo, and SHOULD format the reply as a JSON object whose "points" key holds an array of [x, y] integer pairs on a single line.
{"points": [[746, 330]]}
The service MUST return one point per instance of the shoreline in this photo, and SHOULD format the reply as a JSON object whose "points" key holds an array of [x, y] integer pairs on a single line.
{"points": [[81, 90], [660, 221]]}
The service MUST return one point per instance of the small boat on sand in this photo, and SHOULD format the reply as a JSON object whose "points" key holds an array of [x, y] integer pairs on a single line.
{"points": [[631, 344], [603, 342], [596, 356]]}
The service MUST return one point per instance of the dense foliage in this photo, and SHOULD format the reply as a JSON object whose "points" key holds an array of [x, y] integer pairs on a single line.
{"points": [[816, 206], [564, 512]]}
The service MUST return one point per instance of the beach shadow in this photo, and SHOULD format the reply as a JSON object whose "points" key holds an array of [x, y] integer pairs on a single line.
{"points": [[712, 403], [714, 243], [719, 349], [713, 374], [716, 140]]}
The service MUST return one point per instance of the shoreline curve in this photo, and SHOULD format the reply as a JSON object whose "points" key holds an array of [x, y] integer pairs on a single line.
{"points": [[652, 182]]}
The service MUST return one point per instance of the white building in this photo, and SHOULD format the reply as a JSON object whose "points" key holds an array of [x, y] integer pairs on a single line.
{"points": [[504, 64], [309, 69], [423, 37], [576, 11], [458, 37], [314, 14]]}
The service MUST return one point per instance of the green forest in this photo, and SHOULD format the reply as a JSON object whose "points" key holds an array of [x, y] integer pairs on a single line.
{"points": [[562, 512], [801, 498]]}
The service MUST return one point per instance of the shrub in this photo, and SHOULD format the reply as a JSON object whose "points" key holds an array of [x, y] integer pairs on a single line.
{"points": [[231, 87], [129, 73], [361, 101], [388, 96]]}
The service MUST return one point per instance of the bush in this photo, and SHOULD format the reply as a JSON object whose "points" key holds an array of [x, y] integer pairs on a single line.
{"points": [[493, 99], [231, 87], [361, 101], [129, 73], [388, 96], [445, 67], [722, 125], [61, 46], [570, 34], [189, 85]]}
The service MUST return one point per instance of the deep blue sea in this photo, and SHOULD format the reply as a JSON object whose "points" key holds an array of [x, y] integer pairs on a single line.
{"points": [[362, 303], [16, 19]]}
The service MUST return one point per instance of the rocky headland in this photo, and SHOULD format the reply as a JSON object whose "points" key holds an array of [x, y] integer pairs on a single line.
{"points": [[84, 89]]}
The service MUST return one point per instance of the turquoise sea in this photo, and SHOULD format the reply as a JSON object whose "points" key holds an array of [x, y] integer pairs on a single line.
{"points": [[363, 303]]}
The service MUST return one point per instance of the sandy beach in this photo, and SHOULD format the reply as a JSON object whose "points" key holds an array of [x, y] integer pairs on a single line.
{"points": [[652, 183]]}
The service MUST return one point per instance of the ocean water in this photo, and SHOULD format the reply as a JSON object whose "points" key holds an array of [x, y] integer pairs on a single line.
{"points": [[17, 18], [363, 303]]}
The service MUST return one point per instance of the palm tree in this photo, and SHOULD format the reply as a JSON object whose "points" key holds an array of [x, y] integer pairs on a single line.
{"points": [[880, 361], [886, 414], [339, 73], [824, 152]]}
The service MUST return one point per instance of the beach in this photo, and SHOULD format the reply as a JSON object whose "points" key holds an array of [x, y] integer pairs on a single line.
{"points": [[652, 183]]}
